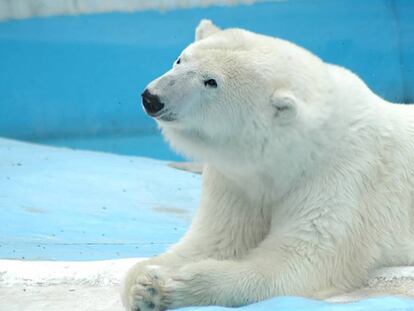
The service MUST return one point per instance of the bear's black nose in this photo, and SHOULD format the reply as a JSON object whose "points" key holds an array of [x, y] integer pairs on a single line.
{"points": [[151, 103]]}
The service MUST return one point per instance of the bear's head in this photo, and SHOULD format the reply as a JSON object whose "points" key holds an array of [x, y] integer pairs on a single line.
{"points": [[232, 95]]}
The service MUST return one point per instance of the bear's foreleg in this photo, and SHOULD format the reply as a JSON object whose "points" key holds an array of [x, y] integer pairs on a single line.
{"points": [[266, 272]]}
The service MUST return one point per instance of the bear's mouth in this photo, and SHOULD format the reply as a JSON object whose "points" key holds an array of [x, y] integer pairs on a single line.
{"points": [[166, 116]]}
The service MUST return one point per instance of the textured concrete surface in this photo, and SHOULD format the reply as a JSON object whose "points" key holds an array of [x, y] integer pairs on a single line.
{"points": [[52, 286]]}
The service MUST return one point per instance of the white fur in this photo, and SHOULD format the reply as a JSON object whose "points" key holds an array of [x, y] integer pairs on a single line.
{"points": [[308, 181]]}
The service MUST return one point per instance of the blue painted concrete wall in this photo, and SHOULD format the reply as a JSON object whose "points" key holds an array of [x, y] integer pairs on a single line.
{"points": [[64, 77]]}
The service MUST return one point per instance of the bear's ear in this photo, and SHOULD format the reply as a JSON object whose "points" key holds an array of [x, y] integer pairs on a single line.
{"points": [[284, 105], [205, 29]]}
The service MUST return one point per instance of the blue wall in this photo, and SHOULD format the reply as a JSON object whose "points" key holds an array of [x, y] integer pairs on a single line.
{"points": [[79, 76]]}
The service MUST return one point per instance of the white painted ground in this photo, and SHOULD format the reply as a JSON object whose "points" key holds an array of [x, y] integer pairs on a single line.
{"points": [[94, 286], [52, 286]]}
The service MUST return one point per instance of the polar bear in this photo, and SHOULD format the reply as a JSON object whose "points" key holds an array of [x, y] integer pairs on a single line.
{"points": [[308, 181]]}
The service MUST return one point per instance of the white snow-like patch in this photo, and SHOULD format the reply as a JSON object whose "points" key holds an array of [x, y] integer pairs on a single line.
{"points": [[396, 281], [51, 286], [18, 9], [47, 273]]}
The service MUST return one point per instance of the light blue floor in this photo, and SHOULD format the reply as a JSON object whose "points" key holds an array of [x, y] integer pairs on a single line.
{"points": [[301, 304], [151, 145], [63, 204]]}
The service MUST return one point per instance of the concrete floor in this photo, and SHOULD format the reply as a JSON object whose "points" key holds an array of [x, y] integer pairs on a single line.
{"points": [[52, 286]]}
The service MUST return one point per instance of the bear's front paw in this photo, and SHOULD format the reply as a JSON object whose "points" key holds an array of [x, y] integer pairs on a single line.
{"points": [[144, 290], [193, 285]]}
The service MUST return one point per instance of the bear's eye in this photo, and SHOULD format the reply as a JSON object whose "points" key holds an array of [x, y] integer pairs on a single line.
{"points": [[210, 83], [178, 61]]}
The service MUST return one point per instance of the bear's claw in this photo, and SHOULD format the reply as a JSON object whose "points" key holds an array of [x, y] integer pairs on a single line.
{"points": [[147, 294]]}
